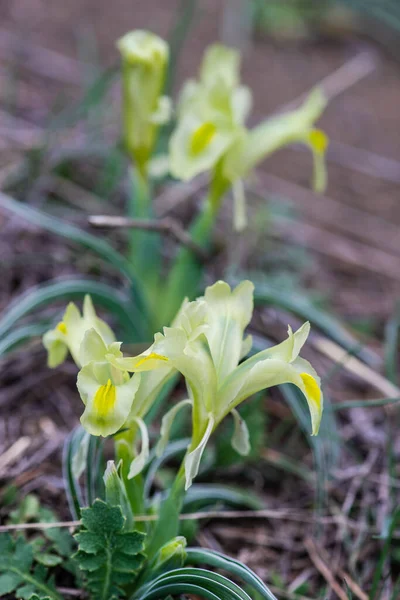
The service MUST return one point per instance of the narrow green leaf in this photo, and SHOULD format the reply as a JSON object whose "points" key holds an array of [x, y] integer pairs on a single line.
{"points": [[235, 567], [94, 469], [71, 232], [22, 334], [94, 96], [72, 487], [208, 581], [70, 289], [177, 589], [199, 496]]}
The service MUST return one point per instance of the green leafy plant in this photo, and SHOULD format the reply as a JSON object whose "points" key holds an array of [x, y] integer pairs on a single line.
{"points": [[106, 554], [19, 574]]}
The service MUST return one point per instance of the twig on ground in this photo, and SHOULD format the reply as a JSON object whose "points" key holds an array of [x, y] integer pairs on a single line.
{"points": [[14, 452], [326, 573], [364, 161], [41, 61], [75, 194], [332, 214], [343, 78], [218, 514], [175, 194], [354, 587], [287, 594], [165, 225], [355, 366], [39, 456], [338, 247], [72, 592]]}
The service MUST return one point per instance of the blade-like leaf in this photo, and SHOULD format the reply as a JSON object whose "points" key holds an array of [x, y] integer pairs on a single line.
{"points": [[17, 336], [199, 496], [72, 486], [95, 94], [177, 589], [71, 232], [207, 580], [94, 470], [220, 561], [69, 289]]}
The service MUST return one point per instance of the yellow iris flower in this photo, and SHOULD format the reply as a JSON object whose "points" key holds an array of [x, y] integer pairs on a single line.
{"points": [[211, 132], [206, 344]]}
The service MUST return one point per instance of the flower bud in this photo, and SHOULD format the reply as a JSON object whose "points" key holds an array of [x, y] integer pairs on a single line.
{"points": [[144, 64], [116, 493]]}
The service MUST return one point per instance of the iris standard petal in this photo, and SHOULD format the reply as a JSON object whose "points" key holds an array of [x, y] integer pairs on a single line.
{"points": [[229, 312]]}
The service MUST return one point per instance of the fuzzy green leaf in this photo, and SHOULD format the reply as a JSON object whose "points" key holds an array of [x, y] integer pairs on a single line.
{"points": [[48, 559], [89, 542], [108, 556], [16, 571], [9, 582], [102, 519]]}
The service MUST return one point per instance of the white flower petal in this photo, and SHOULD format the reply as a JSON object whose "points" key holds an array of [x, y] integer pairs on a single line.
{"points": [[192, 460], [229, 313], [140, 460], [241, 438], [92, 348], [56, 345], [79, 459], [247, 344]]}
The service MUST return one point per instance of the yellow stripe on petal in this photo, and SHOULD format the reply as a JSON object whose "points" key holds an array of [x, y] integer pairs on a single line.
{"points": [[314, 395], [104, 399], [319, 143], [61, 327], [202, 137], [151, 356], [318, 140]]}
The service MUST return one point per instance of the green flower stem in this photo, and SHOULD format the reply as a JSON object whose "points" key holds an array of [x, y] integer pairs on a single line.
{"points": [[135, 486], [144, 246], [186, 272], [167, 526]]}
